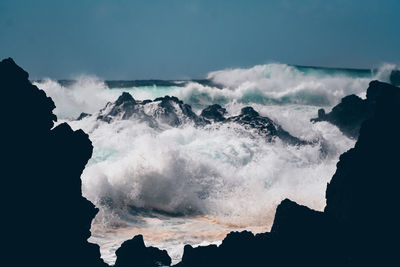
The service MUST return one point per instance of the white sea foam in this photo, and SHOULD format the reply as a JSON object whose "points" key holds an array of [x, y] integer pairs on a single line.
{"points": [[219, 173], [192, 185]]}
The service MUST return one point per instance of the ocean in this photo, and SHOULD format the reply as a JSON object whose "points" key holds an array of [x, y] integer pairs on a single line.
{"points": [[188, 184]]}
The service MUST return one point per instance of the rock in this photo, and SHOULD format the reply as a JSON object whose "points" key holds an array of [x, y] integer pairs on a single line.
{"points": [[264, 126], [199, 256], [83, 115], [395, 77], [134, 253], [123, 108], [48, 221], [173, 112], [214, 113], [362, 197], [352, 111], [125, 99], [167, 110]]}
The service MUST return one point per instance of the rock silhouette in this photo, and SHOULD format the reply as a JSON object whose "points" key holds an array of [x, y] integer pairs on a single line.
{"points": [[46, 219], [352, 111], [134, 253]]}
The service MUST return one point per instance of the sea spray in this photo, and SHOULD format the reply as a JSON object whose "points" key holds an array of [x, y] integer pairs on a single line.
{"points": [[192, 185]]}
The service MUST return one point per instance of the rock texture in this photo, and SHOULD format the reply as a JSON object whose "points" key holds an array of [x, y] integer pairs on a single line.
{"points": [[214, 113], [173, 112], [264, 126], [352, 111], [168, 110]]}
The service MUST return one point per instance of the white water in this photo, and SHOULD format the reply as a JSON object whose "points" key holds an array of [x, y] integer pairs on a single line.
{"points": [[192, 185]]}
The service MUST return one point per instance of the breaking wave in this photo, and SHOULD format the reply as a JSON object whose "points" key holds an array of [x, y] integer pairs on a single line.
{"points": [[190, 184], [263, 84]]}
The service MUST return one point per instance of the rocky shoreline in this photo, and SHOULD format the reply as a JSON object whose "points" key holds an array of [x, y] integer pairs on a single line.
{"points": [[42, 188]]}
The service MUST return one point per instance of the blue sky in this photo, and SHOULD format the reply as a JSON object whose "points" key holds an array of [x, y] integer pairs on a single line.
{"points": [[167, 39]]}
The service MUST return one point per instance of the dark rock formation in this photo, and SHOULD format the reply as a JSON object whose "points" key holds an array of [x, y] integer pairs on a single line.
{"points": [[168, 110], [214, 113], [83, 115], [395, 77], [134, 253], [352, 111], [359, 226], [298, 238], [264, 126], [173, 112], [362, 197], [46, 221]]}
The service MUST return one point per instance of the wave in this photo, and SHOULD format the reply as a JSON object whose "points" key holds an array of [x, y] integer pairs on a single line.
{"points": [[263, 84], [182, 182], [216, 171]]}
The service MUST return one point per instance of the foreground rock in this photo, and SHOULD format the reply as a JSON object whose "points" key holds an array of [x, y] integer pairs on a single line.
{"points": [[352, 111], [46, 221], [134, 253], [359, 226]]}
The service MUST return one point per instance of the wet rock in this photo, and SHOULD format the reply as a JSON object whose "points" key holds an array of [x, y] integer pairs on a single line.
{"points": [[134, 253], [352, 111], [83, 115], [214, 113]]}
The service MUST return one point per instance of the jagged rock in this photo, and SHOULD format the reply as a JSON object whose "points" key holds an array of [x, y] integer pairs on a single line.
{"points": [[45, 216], [214, 113], [124, 108], [352, 111], [168, 110], [173, 112], [395, 77], [134, 253], [264, 126], [288, 211], [83, 115], [199, 256], [362, 196]]}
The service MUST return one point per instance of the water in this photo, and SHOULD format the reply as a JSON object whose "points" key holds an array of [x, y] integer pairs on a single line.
{"points": [[193, 185]]}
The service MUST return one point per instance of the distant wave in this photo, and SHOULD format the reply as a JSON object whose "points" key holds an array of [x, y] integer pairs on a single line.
{"points": [[262, 84]]}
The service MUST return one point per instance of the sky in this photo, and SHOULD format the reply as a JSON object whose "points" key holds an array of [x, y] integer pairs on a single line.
{"points": [[178, 39]]}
